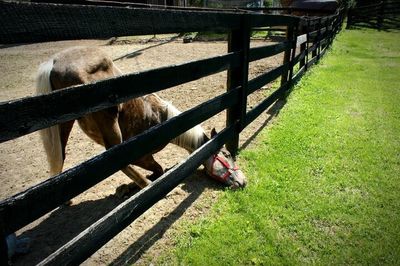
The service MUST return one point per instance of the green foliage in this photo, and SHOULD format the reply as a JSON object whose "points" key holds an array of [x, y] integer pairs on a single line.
{"points": [[211, 36], [259, 34], [324, 179], [347, 3], [268, 3], [198, 3]]}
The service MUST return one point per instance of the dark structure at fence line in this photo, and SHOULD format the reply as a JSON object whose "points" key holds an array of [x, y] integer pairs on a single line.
{"points": [[307, 39], [383, 15]]}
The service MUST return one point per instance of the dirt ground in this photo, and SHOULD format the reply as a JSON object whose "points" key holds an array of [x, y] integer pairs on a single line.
{"points": [[23, 163]]}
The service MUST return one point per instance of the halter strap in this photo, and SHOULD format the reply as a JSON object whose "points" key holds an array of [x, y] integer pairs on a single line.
{"points": [[229, 170]]}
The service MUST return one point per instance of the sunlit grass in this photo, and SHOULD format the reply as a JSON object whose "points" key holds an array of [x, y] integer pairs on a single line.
{"points": [[324, 179]]}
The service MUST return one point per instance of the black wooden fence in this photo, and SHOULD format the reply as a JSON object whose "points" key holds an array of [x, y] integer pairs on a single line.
{"points": [[307, 40], [382, 15]]}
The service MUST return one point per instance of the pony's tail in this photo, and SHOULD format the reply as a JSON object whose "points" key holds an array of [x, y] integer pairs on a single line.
{"points": [[50, 136], [191, 139]]}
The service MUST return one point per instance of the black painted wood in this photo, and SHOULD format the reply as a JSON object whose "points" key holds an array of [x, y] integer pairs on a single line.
{"points": [[290, 36], [258, 53], [239, 42], [258, 82], [29, 205], [292, 63], [300, 57], [303, 49], [38, 22], [3, 244], [309, 25], [318, 40], [138, 5], [23, 116], [316, 35], [306, 49]]}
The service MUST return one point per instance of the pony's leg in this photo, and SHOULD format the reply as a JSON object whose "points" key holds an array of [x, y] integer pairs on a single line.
{"points": [[149, 163], [146, 162], [127, 189], [137, 177], [107, 122]]}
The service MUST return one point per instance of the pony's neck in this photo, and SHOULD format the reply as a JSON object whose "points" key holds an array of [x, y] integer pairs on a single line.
{"points": [[191, 139]]}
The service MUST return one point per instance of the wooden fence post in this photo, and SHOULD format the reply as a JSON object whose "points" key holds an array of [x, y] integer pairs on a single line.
{"points": [[337, 24], [293, 40], [3, 251], [239, 41], [379, 20], [328, 24], [291, 35], [317, 50], [303, 46], [333, 32], [288, 53], [349, 18], [3, 244], [314, 52], [341, 19], [307, 44], [328, 32]]}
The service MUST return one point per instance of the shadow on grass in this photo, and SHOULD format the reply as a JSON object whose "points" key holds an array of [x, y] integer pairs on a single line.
{"points": [[195, 186], [273, 111]]}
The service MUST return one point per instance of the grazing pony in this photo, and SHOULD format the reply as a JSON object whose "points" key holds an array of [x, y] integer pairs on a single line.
{"points": [[111, 126]]}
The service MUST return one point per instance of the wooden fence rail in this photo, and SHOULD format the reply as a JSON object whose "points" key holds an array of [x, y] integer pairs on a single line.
{"points": [[33, 22], [27, 115]]}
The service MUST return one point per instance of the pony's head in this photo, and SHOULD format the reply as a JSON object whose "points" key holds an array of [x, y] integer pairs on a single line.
{"points": [[222, 167]]}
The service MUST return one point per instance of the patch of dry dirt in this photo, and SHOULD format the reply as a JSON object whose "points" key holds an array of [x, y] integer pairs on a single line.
{"points": [[23, 163]]}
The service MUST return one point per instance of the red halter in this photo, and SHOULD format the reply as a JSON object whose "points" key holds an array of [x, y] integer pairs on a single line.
{"points": [[229, 170]]}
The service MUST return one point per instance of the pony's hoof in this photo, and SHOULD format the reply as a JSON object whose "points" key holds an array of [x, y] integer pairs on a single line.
{"points": [[153, 177], [126, 190]]}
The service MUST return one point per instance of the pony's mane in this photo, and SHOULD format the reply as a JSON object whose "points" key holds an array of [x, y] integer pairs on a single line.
{"points": [[191, 139]]}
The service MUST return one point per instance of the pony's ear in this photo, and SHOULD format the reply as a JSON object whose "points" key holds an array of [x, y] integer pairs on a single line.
{"points": [[213, 132]]}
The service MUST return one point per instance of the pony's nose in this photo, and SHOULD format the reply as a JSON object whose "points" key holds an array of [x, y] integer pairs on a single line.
{"points": [[241, 178], [243, 183], [237, 185], [240, 181]]}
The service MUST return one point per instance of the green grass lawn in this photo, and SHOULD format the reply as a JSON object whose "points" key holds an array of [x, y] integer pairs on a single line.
{"points": [[324, 179]]}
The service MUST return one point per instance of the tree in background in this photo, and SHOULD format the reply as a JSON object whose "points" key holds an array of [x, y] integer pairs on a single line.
{"points": [[349, 3]]}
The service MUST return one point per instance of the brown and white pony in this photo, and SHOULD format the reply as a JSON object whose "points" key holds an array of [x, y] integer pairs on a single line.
{"points": [[109, 127]]}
